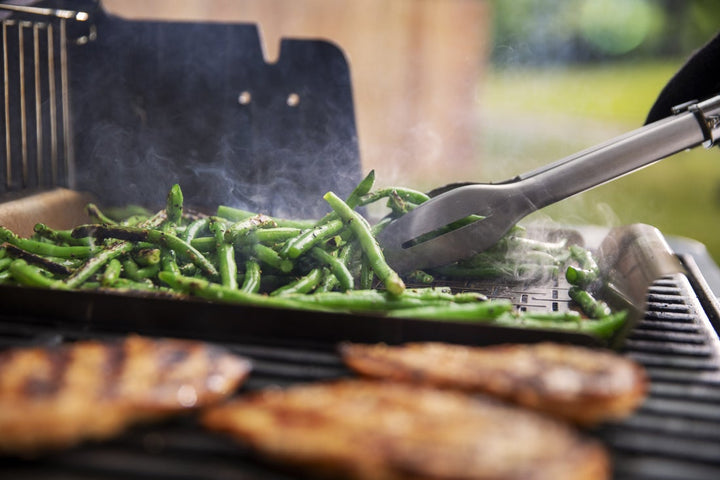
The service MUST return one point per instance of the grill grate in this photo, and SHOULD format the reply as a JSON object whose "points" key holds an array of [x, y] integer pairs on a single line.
{"points": [[674, 435], [36, 140]]}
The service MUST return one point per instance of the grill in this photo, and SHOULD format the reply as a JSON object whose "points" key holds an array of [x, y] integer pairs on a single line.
{"points": [[261, 122], [674, 435]]}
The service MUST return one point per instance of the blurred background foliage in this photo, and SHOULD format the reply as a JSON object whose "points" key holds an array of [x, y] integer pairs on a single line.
{"points": [[568, 74], [542, 32]]}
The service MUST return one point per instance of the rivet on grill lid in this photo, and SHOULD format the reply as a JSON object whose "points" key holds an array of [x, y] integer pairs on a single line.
{"points": [[244, 98], [293, 100]]}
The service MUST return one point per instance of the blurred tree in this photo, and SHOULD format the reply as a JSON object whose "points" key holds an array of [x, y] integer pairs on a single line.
{"points": [[532, 32]]}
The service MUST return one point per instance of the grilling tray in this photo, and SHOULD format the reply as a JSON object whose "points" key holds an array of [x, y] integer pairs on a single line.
{"points": [[97, 107], [104, 109], [631, 258]]}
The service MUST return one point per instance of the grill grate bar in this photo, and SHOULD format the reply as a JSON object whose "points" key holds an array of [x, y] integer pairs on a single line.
{"points": [[37, 137], [682, 409], [680, 428], [668, 326], [670, 347], [641, 467], [664, 446], [665, 315], [699, 392], [683, 377], [664, 361], [665, 298], [640, 333]]}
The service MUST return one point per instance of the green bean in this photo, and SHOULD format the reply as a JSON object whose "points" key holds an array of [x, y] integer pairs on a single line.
{"points": [[203, 244], [134, 220], [344, 256], [147, 256], [369, 301], [139, 274], [328, 226], [225, 254], [143, 285], [94, 263], [32, 276], [188, 269], [168, 261], [309, 238], [5, 263], [406, 194], [95, 213], [580, 277], [251, 280], [242, 229], [584, 258], [42, 248], [564, 316], [362, 189], [213, 291], [380, 225], [367, 276], [603, 327], [607, 326], [127, 212], [3, 252], [238, 215], [398, 205], [60, 236], [304, 284], [471, 312], [508, 270], [174, 205], [592, 307], [273, 235], [270, 257], [418, 276], [336, 266], [158, 237], [392, 281], [444, 293], [46, 263], [194, 229], [112, 272], [108, 252]]}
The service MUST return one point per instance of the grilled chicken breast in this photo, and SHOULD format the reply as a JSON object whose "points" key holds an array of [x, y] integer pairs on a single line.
{"points": [[579, 384], [58, 396], [363, 429]]}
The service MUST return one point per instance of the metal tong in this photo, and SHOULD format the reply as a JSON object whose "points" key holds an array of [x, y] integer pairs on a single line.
{"points": [[503, 204]]}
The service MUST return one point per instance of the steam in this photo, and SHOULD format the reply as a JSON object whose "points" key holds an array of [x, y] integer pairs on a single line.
{"points": [[158, 103]]}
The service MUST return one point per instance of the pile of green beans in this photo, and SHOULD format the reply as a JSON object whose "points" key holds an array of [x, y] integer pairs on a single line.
{"points": [[329, 264]]}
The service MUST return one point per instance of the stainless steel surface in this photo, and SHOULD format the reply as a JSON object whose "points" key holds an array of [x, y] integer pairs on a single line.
{"points": [[37, 122], [47, 12], [503, 204]]}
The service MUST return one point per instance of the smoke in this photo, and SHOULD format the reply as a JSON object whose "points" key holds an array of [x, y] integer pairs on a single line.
{"points": [[157, 103]]}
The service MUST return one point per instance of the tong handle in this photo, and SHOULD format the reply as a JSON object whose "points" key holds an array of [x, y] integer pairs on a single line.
{"points": [[697, 124]]}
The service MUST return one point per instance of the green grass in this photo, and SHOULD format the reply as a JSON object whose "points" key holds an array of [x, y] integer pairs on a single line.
{"points": [[532, 117]]}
